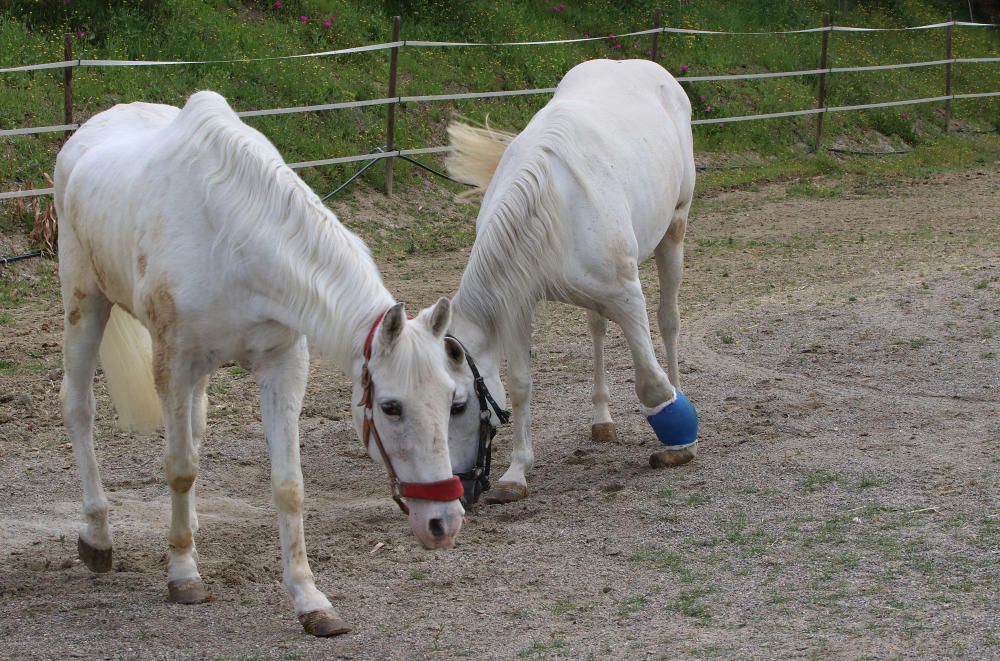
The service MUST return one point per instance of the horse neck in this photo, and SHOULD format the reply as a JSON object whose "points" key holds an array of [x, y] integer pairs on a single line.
{"points": [[479, 336], [501, 286], [326, 283]]}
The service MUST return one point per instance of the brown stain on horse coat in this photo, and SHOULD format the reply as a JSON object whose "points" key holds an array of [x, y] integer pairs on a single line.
{"points": [[162, 313], [676, 231]]}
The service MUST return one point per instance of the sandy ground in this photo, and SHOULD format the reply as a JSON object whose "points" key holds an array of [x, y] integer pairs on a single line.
{"points": [[843, 353]]}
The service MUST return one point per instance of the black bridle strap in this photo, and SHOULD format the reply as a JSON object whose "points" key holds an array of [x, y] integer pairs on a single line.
{"points": [[482, 392], [477, 479]]}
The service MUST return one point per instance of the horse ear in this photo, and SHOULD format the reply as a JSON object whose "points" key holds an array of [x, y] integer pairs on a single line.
{"points": [[440, 317], [392, 325], [455, 351]]}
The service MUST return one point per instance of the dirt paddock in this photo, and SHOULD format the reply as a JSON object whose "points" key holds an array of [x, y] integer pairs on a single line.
{"points": [[843, 351]]}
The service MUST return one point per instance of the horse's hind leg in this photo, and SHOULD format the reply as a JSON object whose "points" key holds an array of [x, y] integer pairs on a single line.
{"points": [[669, 256], [602, 428], [653, 388], [199, 422], [670, 266], [86, 313]]}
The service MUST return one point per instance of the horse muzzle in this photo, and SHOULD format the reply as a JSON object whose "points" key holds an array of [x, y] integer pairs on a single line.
{"points": [[436, 523]]}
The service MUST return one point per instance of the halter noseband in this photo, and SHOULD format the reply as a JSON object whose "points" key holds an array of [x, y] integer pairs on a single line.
{"points": [[476, 481], [443, 490]]}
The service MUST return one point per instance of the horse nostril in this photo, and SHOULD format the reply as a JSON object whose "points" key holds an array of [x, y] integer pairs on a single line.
{"points": [[437, 528]]}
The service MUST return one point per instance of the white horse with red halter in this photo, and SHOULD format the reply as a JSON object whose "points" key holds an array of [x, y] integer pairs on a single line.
{"points": [[188, 224], [600, 179]]}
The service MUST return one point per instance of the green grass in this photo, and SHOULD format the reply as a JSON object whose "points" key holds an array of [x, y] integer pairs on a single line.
{"points": [[697, 498], [14, 368], [820, 479], [633, 605], [567, 606], [667, 561], [227, 29], [687, 603], [542, 649], [18, 288]]}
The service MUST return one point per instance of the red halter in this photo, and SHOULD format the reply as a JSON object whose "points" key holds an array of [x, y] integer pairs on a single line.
{"points": [[444, 490]]}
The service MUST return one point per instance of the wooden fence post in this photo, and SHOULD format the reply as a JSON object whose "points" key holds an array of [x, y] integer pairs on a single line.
{"points": [[390, 140], [821, 94], [68, 81], [656, 35], [947, 77]]}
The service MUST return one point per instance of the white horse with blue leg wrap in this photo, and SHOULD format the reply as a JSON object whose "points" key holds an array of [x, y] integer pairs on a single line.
{"points": [[600, 179]]}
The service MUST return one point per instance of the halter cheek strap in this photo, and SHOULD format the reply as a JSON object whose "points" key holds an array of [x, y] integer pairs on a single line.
{"points": [[476, 480], [443, 490]]}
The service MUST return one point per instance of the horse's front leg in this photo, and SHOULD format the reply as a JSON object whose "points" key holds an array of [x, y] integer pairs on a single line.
{"points": [[513, 484], [282, 380]]}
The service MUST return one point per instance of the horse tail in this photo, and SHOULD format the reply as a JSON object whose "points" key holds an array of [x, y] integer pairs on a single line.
{"points": [[475, 155], [127, 361]]}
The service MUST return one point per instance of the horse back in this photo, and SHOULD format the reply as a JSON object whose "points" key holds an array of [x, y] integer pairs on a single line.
{"points": [[617, 137], [129, 194]]}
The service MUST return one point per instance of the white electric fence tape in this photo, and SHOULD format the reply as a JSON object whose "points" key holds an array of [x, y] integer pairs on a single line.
{"points": [[547, 90], [40, 129], [416, 43], [34, 192]]}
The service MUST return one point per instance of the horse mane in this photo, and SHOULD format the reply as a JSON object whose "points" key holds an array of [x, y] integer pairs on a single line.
{"points": [[264, 212], [514, 260]]}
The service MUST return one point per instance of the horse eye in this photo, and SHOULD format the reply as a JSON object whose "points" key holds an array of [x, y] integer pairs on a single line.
{"points": [[392, 408], [458, 407]]}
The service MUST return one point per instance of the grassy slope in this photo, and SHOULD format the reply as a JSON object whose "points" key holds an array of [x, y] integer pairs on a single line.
{"points": [[214, 29]]}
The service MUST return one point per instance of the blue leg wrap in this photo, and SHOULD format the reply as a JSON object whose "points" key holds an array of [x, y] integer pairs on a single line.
{"points": [[676, 424]]}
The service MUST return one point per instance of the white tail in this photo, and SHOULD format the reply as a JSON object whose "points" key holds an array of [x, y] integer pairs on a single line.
{"points": [[127, 361], [476, 154]]}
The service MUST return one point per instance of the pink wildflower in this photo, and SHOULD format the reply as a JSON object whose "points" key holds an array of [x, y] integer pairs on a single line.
{"points": [[304, 19], [327, 24], [612, 37], [618, 46], [278, 5], [701, 97], [81, 33], [562, 5], [684, 67], [708, 108]]}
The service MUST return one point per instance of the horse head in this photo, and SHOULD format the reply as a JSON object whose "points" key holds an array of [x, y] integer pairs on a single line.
{"points": [[403, 392]]}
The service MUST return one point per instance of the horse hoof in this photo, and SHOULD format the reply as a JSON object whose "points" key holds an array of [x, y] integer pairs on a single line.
{"points": [[323, 623], [506, 492], [604, 432], [670, 458], [97, 560], [188, 591]]}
